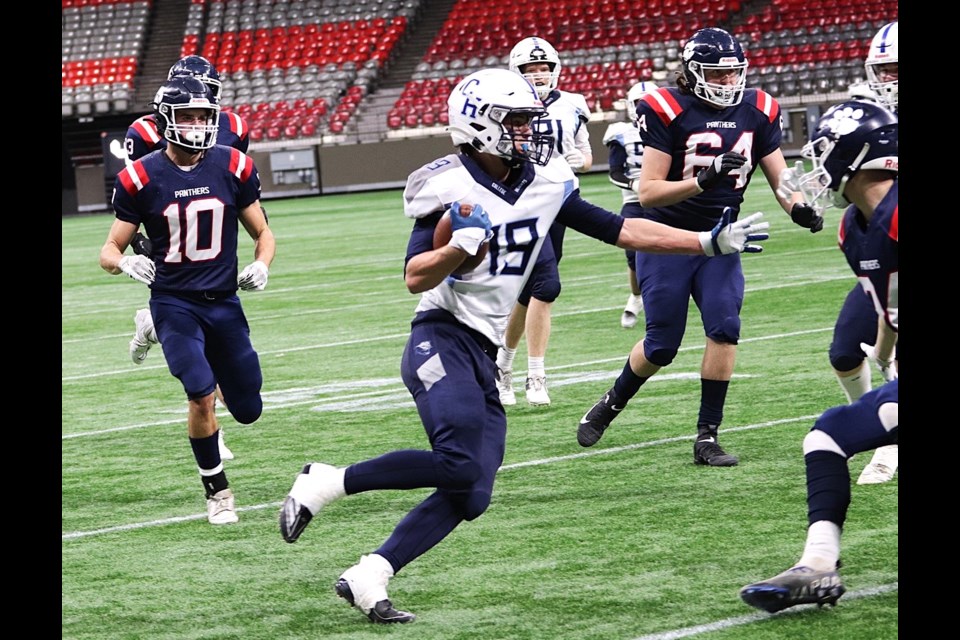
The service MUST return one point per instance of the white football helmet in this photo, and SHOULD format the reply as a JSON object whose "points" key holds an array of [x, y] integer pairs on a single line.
{"points": [[636, 92], [537, 50], [480, 104], [884, 50]]}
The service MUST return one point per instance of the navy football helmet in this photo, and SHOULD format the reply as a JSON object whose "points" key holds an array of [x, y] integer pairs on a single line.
{"points": [[481, 107], [709, 50], [186, 93], [200, 68], [850, 136]]}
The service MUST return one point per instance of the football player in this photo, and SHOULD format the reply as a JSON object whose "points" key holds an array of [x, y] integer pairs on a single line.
{"points": [[626, 157], [855, 157], [191, 198], [144, 136], [566, 119], [506, 177], [702, 140], [856, 329]]}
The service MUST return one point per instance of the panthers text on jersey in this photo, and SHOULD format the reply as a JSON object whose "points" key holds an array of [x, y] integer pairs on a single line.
{"points": [[191, 217], [693, 134], [520, 213]]}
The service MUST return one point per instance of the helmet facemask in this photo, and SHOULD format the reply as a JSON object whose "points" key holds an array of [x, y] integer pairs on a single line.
{"points": [[518, 141], [717, 94], [193, 136]]}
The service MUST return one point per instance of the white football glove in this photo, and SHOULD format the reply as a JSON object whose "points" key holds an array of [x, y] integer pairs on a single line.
{"points": [[253, 277], [140, 268], [888, 368], [575, 159], [790, 180], [734, 237]]}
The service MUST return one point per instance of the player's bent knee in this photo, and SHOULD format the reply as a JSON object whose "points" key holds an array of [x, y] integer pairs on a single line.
{"points": [[845, 362], [547, 290], [475, 504], [247, 411], [660, 357]]}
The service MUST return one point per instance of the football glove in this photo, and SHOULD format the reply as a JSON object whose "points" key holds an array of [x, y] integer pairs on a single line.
{"points": [[734, 237], [888, 368], [141, 244], [806, 216], [253, 277], [575, 159], [469, 231], [719, 168], [790, 180], [140, 268]]}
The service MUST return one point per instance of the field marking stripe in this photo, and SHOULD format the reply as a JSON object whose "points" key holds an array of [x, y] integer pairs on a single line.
{"points": [[507, 467], [759, 617]]}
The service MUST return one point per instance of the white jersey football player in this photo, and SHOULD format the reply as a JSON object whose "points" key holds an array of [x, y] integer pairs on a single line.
{"points": [[622, 139], [501, 188], [565, 121]]}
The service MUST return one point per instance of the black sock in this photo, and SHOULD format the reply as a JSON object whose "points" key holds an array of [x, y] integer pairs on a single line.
{"points": [[628, 384], [713, 395]]}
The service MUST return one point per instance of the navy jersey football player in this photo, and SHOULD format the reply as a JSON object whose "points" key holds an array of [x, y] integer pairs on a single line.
{"points": [[566, 121], [145, 136], [504, 188], [856, 329], [855, 157], [702, 142], [191, 197], [622, 139]]}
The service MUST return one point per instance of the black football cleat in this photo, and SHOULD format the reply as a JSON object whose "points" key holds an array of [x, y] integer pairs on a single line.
{"points": [[799, 585], [595, 422], [294, 518], [381, 613], [708, 452]]}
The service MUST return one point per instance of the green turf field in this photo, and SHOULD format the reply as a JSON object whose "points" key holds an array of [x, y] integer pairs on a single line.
{"points": [[627, 540]]}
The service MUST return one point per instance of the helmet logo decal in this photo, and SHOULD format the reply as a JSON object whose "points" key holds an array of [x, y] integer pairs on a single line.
{"points": [[843, 121]]}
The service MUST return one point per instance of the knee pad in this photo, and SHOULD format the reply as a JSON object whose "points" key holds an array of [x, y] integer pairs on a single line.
{"points": [[660, 357], [547, 290], [817, 440], [474, 504], [728, 332], [247, 410], [845, 363]]}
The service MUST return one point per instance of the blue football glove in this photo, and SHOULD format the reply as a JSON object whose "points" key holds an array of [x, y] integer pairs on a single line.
{"points": [[471, 230], [734, 237]]}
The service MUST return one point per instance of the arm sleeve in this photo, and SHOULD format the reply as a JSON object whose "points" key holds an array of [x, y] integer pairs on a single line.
{"points": [[589, 219], [618, 166]]}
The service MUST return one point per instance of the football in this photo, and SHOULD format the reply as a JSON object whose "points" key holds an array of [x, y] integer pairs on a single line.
{"points": [[441, 237]]}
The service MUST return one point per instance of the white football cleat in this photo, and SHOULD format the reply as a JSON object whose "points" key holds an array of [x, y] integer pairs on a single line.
{"points": [[537, 391], [631, 311], [144, 337], [220, 509], [225, 453], [882, 466], [505, 386]]}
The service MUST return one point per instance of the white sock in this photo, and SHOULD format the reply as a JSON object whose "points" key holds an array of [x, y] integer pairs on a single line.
{"points": [[823, 546], [505, 358], [856, 385], [535, 367]]}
